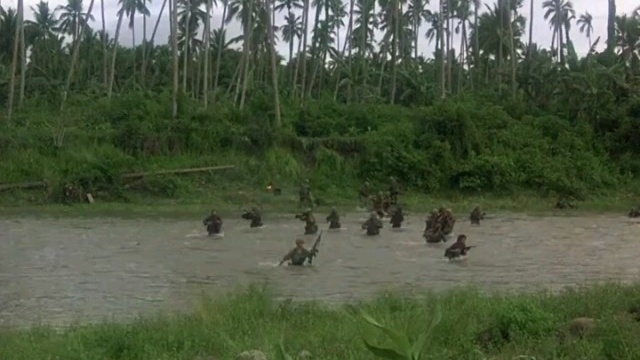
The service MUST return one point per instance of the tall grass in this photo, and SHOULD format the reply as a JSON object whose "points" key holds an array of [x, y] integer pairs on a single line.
{"points": [[472, 325]]}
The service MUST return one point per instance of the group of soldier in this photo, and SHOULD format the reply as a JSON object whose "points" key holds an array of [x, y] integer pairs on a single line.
{"points": [[439, 225]]}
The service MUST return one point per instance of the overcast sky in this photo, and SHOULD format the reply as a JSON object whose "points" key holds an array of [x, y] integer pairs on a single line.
{"points": [[541, 31]]}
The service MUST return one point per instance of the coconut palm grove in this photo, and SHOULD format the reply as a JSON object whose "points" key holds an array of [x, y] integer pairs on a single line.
{"points": [[458, 99]]}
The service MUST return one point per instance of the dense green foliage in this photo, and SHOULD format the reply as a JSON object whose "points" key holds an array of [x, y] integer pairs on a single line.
{"points": [[471, 326], [467, 145]]}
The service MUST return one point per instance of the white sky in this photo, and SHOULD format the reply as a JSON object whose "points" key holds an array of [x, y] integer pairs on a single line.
{"points": [[541, 31]]}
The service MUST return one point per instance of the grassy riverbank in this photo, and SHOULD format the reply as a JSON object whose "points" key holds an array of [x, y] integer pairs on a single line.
{"points": [[471, 326], [230, 202]]}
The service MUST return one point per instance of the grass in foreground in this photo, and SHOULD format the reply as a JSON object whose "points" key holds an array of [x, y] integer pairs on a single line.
{"points": [[471, 326]]}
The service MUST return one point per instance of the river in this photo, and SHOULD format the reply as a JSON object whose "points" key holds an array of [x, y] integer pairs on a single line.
{"points": [[58, 271]]}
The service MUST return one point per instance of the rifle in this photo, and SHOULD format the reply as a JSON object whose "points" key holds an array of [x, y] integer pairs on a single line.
{"points": [[314, 249]]}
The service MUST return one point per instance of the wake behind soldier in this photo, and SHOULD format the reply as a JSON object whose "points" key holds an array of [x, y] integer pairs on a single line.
{"points": [[372, 225], [334, 219], [397, 217], [298, 255], [476, 216], [213, 223], [310, 226], [253, 215]]}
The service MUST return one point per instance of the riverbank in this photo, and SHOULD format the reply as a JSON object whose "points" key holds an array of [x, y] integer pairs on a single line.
{"points": [[230, 203], [472, 325]]}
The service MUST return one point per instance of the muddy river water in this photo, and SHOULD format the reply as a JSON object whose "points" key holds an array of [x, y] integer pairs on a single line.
{"points": [[58, 271]]}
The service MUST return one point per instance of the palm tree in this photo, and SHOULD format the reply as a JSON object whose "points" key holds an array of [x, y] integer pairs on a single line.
{"points": [[220, 45], [418, 12], [131, 8], [72, 18], [207, 41], [105, 56], [628, 39], [274, 72], [291, 30], [586, 25], [611, 27], [174, 55], [14, 61], [74, 57], [121, 13], [44, 21], [443, 51], [559, 14]]}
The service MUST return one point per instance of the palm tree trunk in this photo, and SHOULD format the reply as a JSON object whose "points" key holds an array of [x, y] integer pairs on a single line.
{"points": [[394, 54], [155, 29], [449, 46], [443, 84], [611, 27], [415, 34], [297, 66], [305, 29], [512, 50], [561, 45], [530, 30], [74, 57], [462, 55], [185, 65], [174, 52], [207, 40], [274, 66], [115, 52], [144, 46], [248, 36], [348, 42], [105, 57], [23, 56], [14, 64], [315, 40], [133, 43], [476, 50], [220, 45], [344, 50], [501, 8]]}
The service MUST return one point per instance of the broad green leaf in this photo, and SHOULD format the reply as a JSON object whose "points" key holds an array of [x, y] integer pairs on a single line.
{"points": [[419, 344], [385, 353], [398, 339]]}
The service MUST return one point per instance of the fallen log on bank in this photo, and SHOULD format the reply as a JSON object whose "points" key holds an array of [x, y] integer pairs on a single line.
{"points": [[24, 185], [138, 176], [176, 171]]}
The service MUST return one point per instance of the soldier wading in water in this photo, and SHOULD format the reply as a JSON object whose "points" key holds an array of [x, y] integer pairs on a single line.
{"points": [[298, 255], [254, 216], [310, 226], [213, 223]]}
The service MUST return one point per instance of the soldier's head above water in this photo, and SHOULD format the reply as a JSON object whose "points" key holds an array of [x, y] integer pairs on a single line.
{"points": [[462, 238], [373, 215], [299, 243]]}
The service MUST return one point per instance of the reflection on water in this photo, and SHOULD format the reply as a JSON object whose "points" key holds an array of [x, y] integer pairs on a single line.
{"points": [[65, 270]]}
